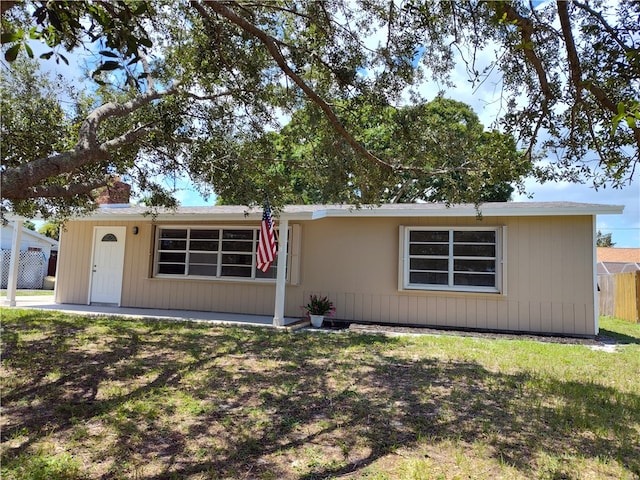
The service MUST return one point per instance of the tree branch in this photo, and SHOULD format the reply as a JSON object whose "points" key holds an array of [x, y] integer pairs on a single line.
{"points": [[527, 30], [126, 138], [604, 24], [208, 97], [151, 84], [6, 5], [572, 54], [273, 49], [87, 137], [17, 180], [60, 191], [576, 72]]}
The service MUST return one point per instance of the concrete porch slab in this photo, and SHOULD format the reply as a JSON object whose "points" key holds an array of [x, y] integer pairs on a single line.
{"points": [[45, 302]]}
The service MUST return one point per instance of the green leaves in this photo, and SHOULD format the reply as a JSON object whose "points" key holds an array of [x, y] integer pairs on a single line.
{"points": [[234, 89], [9, 37], [18, 38], [439, 149], [630, 114], [108, 66], [107, 53], [66, 25], [12, 53]]}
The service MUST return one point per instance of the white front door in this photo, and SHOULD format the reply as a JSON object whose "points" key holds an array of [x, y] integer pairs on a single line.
{"points": [[107, 265]]}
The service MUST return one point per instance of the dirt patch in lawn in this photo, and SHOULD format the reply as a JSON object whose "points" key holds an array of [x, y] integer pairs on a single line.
{"points": [[599, 340]]}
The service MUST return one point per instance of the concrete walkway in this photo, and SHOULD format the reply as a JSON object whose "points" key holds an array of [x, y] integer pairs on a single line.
{"points": [[45, 302]]}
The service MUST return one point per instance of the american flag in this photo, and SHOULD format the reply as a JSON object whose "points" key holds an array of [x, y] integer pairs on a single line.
{"points": [[266, 242]]}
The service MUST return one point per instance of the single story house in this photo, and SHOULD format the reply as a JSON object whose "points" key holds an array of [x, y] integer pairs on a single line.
{"points": [[37, 251], [519, 267], [613, 260]]}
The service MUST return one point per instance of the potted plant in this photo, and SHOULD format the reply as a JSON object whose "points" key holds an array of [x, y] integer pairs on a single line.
{"points": [[318, 308]]}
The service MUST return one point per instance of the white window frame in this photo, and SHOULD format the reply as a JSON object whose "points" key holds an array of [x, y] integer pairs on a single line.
{"points": [[405, 256], [219, 252]]}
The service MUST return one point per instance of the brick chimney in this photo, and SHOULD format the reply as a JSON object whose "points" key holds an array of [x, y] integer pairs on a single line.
{"points": [[116, 193]]}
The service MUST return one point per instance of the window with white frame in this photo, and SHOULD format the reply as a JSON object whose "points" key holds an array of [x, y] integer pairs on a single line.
{"points": [[209, 252], [459, 259]]}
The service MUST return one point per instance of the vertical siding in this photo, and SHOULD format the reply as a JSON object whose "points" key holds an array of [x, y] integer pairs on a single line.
{"points": [[548, 268], [141, 290], [74, 261]]}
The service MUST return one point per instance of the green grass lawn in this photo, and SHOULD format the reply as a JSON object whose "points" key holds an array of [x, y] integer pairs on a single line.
{"points": [[25, 293], [98, 398]]}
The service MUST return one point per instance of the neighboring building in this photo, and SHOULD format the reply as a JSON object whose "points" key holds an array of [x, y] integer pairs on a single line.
{"points": [[37, 257], [521, 267], [617, 260], [619, 282]]}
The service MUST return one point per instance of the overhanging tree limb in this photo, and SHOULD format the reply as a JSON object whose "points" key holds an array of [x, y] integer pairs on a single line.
{"points": [[526, 31], [611, 31], [89, 128], [61, 191], [275, 52], [576, 72], [23, 178], [272, 47]]}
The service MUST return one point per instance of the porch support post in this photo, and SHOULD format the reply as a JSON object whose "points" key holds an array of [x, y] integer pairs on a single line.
{"points": [[278, 315], [14, 264]]}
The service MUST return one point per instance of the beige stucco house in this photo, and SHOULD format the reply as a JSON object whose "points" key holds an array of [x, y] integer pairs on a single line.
{"points": [[520, 267]]}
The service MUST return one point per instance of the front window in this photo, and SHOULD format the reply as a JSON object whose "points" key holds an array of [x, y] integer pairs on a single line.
{"points": [[461, 259], [209, 252]]}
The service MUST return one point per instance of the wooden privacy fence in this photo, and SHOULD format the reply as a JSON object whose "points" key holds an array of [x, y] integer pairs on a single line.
{"points": [[620, 295]]}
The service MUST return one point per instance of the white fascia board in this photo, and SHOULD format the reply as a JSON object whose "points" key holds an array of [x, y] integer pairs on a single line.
{"points": [[586, 209], [470, 211], [237, 214], [254, 216]]}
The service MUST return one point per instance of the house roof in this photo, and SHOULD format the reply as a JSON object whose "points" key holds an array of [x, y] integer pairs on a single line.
{"points": [[618, 255], [608, 268], [314, 212], [33, 234]]}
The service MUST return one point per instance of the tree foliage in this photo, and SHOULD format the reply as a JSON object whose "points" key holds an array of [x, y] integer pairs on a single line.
{"points": [[604, 239], [51, 230], [187, 87], [445, 153], [35, 126]]}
